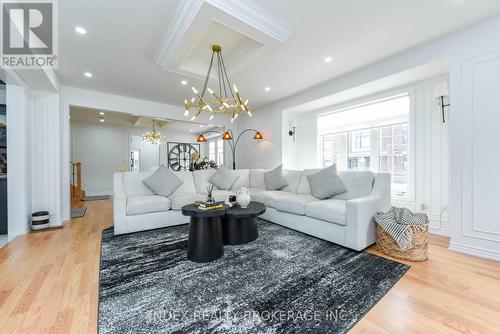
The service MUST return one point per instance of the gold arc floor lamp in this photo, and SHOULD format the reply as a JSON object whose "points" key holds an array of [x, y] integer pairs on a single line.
{"points": [[228, 136]]}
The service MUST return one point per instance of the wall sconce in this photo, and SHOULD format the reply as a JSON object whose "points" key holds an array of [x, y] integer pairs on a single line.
{"points": [[292, 132], [440, 93]]}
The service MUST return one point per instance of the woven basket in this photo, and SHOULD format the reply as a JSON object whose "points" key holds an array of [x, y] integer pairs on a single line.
{"points": [[417, 252]]}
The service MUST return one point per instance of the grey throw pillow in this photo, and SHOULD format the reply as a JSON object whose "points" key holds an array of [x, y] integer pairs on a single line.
{"points": [[326, 183], [223, 178], [274, 179], [163, 182]]}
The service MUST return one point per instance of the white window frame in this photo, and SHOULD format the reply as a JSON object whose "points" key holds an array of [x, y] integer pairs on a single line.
{"points": [[215, 141], [219, 144], [410, 91], [211, 143]]}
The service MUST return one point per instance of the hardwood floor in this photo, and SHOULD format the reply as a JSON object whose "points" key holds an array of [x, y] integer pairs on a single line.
{"points": [[49, 284]]}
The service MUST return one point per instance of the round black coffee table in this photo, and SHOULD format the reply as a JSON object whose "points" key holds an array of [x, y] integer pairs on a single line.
{"points": [[239, 226], [205, 233]]}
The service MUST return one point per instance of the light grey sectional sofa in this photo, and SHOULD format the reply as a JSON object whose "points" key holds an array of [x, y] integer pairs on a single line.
{"points": [[345, 219]]}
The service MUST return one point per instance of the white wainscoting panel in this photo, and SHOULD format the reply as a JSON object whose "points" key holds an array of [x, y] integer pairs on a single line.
{"points": [[484, 183], [46, 155], [478, 110]]}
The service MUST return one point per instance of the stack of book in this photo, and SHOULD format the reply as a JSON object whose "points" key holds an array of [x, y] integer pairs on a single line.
{"points": [[210, 206]]}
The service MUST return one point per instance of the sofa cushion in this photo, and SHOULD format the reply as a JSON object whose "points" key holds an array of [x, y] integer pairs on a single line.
{"points": [[267, 197], [202, 180], [293, 203], [178, 200], [243, 180], [188, 182], [330, 210], [222, 195], [257, 195], [274, 179], [163, 182], [142, 204], [133, 186], [257, 178], [293, 179], [358, 184], [326, 183], [223, 178], [304, 187]]}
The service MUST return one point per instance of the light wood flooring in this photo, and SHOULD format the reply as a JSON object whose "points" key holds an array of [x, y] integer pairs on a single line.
{"points": [[49, 284]]}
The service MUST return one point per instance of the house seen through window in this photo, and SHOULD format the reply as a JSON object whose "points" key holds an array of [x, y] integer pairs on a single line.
{"points": [[369, 137]]}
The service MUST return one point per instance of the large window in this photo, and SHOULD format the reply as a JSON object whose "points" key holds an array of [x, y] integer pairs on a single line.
{"points": [[372, 136]]}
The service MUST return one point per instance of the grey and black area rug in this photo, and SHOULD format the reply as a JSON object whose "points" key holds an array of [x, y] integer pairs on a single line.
{"points": [[283, 282]]}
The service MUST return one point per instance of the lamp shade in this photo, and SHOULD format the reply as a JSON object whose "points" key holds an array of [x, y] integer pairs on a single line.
{"points": [[441, 90], [226, 136], [201, 139], [258, 135]]}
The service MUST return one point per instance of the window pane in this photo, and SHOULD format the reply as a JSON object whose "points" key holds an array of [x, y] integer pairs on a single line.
{"points": [[211, 150], [220, 152], [358, 150], [333, 150], [394, 156]]}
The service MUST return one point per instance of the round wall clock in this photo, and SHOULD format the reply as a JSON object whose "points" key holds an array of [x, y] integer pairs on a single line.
{"points": [[179, 155]]}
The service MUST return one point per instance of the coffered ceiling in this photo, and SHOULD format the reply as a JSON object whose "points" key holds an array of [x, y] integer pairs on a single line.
{"points": [[145, 49]]}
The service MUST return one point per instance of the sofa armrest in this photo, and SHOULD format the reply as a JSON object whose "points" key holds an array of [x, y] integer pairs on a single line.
{"points": [[360, 231], [119, 205]]}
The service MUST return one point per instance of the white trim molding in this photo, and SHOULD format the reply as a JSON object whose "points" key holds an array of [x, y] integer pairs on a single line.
{"points": [[245, 19], [46, 134], [474, 213], [474, 251]]}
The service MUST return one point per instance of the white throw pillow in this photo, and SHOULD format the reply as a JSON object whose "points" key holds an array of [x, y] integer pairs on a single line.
{"points": [[274, 179], [163, 182], [223, 178], [326, 183]]}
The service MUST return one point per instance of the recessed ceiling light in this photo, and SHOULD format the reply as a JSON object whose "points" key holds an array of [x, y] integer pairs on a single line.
{"points": [[191, 130], [88, 74], [101, 113], [81, 30], [184, 82], [201, 125], [101, 120], [328, 59], [267, 89]]}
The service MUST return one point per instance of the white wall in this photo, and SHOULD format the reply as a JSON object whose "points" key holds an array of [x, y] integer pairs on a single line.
{"points": [[46, 161], [104, 149], [149, 154], [473, 57], [19, 166]]}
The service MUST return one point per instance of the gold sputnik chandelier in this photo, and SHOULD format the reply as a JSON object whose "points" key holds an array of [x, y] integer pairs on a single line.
{"points": [[227, 100], [153, 137]]}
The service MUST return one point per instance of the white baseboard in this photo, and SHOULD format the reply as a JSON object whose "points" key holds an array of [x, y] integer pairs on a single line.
{"points": [[439, 226], [91, 190], [55, 223], [443, 231], [475, 251]]}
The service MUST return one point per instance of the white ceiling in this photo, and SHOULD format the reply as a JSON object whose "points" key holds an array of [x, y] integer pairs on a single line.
{"points": [[124, 37], [88, 115]]}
